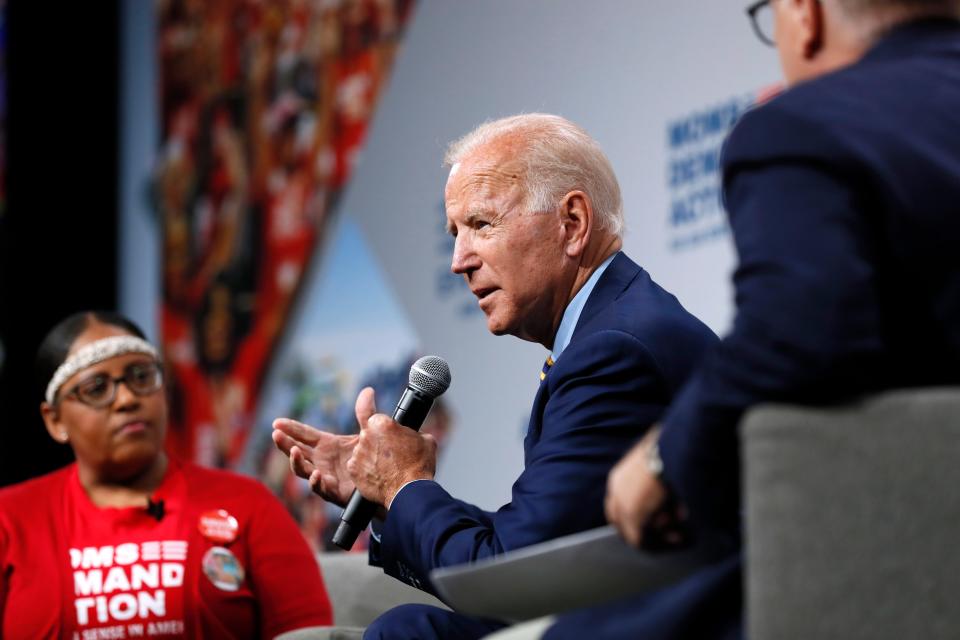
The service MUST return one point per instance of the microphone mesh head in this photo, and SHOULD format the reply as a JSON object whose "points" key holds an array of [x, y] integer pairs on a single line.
{"points": [[430, 375]]}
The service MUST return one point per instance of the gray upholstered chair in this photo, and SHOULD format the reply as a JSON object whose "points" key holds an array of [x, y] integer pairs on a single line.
{"points": [[358, 593], [853, 519]]}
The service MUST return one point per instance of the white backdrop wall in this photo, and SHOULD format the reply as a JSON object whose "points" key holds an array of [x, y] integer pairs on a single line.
{"points": [[657, 84]]}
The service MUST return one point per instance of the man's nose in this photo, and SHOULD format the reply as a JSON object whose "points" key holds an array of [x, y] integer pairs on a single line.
{"points": [[465, 258]]}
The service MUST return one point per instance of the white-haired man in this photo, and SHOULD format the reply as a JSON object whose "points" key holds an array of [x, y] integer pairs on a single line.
{"points": [[840, 192], [535, 210]]}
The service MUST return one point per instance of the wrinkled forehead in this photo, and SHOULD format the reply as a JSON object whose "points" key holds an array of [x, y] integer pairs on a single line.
{"points": [[484, 178]]}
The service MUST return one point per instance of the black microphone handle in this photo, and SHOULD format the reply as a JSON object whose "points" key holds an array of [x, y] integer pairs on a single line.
{"points": [[411, 411]]}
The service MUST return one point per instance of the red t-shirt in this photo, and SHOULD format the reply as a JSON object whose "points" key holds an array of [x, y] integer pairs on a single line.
{"points": [[222, 560]]}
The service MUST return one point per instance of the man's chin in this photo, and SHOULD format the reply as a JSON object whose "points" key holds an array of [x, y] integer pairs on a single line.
{"points": [[495, 327]]}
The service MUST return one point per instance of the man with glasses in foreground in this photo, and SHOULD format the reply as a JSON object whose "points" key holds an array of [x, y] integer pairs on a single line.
{"points": [[843, 200]]}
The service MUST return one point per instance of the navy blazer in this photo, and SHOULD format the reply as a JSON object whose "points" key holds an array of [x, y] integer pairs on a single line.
{"points": [[632, 348], [844, 200]]}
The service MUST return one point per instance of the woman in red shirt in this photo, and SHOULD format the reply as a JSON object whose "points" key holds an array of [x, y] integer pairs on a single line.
{"points": [[128, 542]]}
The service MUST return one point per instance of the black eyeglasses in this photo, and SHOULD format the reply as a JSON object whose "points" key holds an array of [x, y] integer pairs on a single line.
{"points": [[761, 17], [100, 390]]}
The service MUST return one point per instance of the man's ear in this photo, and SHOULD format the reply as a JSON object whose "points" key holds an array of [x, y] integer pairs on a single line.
{"points": [[812, 26], [576, 216], [802, 24], [51, 418]]}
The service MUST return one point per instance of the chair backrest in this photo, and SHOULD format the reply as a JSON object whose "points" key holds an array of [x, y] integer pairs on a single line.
{"points": [[853, 518]]}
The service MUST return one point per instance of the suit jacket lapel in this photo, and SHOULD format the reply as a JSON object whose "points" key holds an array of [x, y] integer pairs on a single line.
{"points": [[618, 276]]}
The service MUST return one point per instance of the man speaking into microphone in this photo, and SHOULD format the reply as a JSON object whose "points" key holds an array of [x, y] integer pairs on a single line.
{"points": [[535, 211]]}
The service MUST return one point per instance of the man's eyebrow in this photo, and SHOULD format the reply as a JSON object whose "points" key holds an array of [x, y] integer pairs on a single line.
{"points": [[471, 217], [476, 213]]}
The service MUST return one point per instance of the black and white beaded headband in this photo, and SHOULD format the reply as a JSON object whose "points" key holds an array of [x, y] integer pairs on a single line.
{"points": [[93, 353]]}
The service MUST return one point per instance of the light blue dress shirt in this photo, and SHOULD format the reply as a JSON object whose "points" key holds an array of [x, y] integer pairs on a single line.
{"points": [[572, 313]]}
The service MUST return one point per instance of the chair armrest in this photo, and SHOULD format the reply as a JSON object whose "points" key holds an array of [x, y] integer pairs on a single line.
{"points": [[359, 593]]}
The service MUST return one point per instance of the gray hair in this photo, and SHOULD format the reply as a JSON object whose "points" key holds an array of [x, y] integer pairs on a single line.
{"points": [[557, 157]]}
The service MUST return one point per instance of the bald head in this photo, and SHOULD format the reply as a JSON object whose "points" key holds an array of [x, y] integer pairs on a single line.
{"points": [[868, 20], [815, 37], [863, 8]]}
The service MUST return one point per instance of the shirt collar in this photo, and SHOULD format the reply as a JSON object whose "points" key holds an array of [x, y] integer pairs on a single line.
{"points": [[572, 313]]}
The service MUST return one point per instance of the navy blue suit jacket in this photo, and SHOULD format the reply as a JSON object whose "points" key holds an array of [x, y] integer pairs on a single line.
{"points": [[632, 349], [844, 201]]}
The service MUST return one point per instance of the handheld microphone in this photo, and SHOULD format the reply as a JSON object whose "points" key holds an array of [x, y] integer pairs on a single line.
{"points": [[429, 378]]}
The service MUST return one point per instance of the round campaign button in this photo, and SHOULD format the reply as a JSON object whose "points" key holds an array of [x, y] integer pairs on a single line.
{"points": [[222, 569], [218, 526]]}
